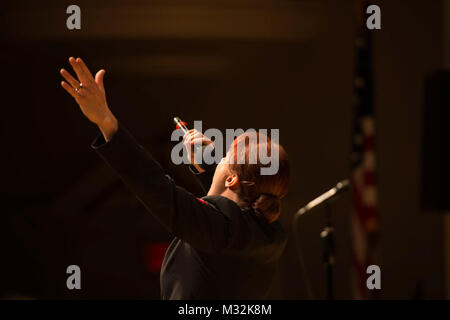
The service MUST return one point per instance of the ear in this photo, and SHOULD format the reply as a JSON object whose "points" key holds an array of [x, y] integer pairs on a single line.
{"points": [[232, 181]]}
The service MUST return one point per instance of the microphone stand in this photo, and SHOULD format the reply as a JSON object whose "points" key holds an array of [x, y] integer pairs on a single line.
{"points": [[327, 235]]}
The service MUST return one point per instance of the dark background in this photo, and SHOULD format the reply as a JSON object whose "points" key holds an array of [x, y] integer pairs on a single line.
{"points": [[232, 64]]}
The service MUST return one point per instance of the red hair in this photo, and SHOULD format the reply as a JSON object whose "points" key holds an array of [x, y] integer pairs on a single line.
{"points": [[258, 192]]}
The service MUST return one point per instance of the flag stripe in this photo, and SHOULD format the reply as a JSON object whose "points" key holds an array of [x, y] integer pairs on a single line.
{"points": [[363, 161]]}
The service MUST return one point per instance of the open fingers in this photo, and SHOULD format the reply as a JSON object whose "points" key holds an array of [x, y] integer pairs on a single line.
{"points": [[81, 74], [85, 69], [71, 80], [69, 89]]}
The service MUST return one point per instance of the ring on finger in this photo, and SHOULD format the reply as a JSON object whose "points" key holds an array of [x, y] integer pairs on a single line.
{"points": [[79, 87]]}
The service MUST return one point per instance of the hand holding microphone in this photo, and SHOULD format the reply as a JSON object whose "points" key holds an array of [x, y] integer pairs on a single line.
{"points": [[194, 141]]}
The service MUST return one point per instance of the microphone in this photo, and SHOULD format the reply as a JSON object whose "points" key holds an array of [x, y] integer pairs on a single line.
{"points": [[341, 186], [181, 125]]}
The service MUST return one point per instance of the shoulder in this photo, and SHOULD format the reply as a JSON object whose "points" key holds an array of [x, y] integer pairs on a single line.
{"points": [[228, 207], [249, 234]]}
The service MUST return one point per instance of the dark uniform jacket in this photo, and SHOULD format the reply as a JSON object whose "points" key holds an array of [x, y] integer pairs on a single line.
{"points": [[219, 251]]}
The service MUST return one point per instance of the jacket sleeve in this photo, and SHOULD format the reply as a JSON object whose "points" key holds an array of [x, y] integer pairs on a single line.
{"points": [[204, 179], [185, 216]]}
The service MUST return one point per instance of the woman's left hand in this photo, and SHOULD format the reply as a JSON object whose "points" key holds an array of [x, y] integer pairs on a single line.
{"points": [[90, 95]]}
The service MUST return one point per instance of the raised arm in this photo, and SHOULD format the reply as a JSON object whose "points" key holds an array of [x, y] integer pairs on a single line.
{"points": [[185, 216]]}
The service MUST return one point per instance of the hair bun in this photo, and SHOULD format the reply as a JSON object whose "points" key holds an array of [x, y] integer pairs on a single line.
{"points": [[267, 206]]}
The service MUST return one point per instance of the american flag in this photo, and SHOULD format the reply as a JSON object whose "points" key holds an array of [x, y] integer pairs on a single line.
{"points": [[364, 220]]}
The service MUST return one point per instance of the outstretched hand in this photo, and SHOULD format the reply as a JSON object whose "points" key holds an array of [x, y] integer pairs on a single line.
{"points": [[89, 93]]}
